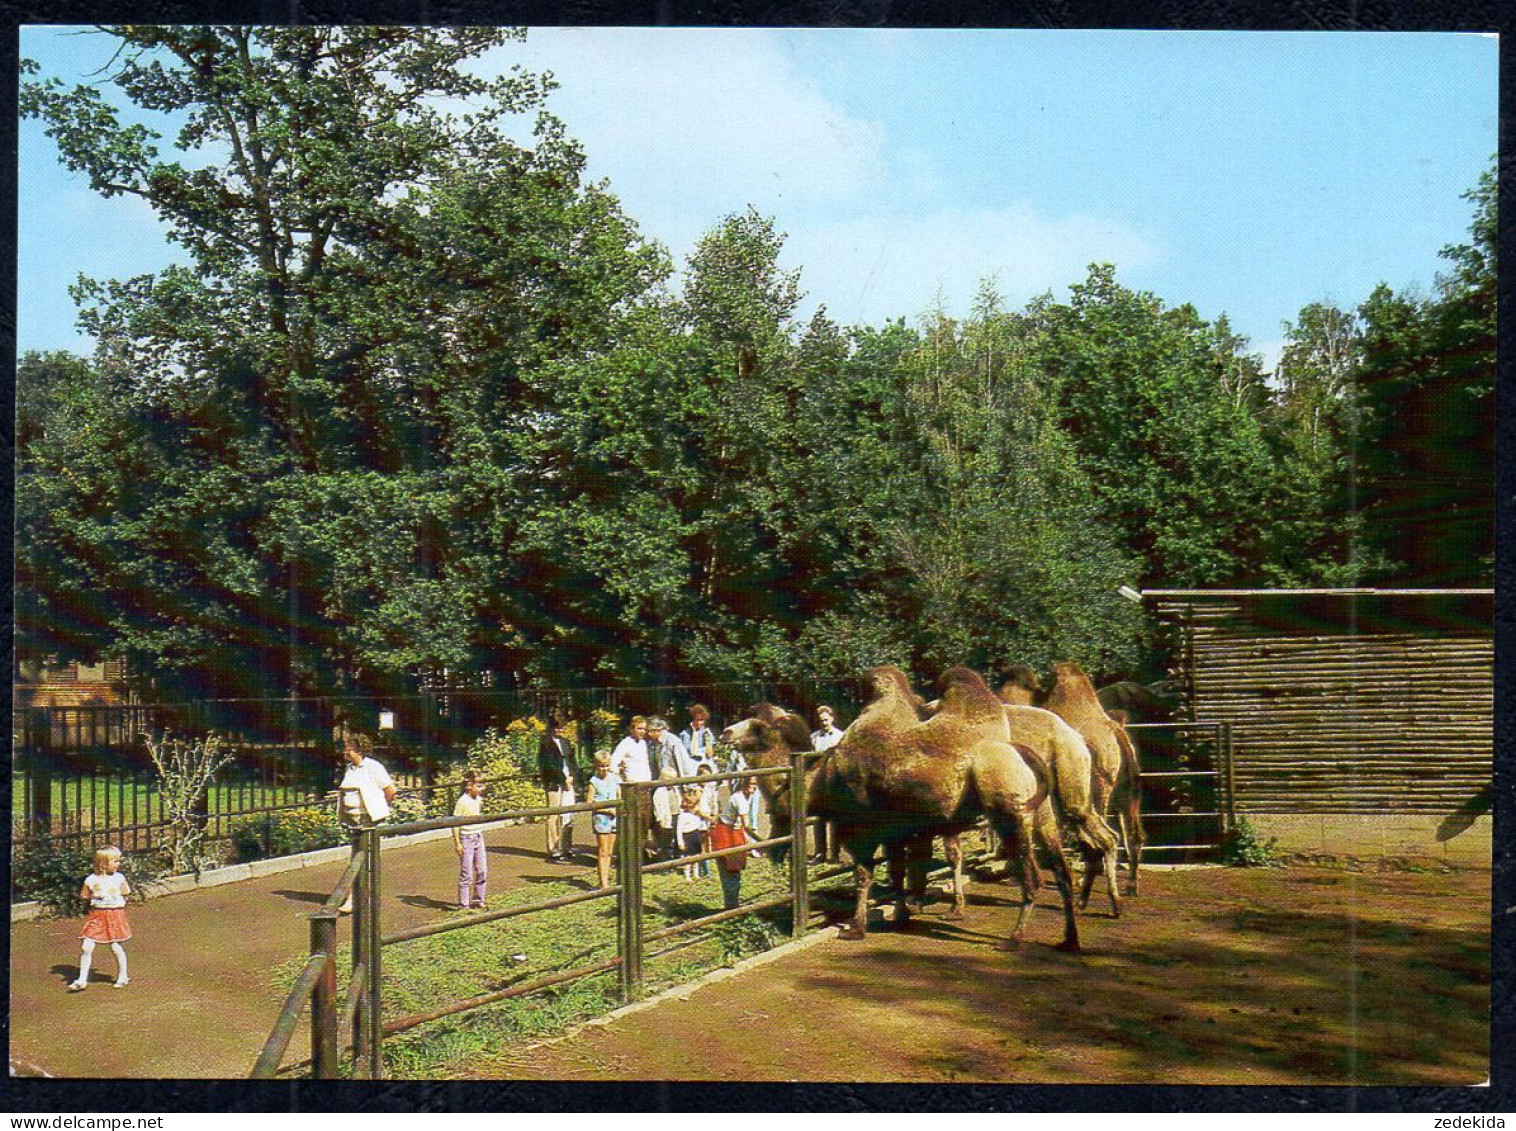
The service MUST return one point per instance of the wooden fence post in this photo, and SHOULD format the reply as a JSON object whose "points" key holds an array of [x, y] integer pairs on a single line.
{"points": [[359, 900], [324, 998], [799, 849], [374, 958]]}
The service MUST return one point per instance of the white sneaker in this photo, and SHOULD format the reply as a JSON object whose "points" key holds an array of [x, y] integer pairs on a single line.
{"points": [[75, 986], [123, 982]]}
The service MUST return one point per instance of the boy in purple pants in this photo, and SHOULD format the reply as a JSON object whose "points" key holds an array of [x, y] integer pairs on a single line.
{"points": [[468, 841]]}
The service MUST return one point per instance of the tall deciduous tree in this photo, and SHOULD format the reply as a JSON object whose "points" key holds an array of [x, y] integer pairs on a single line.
{"points": [[346, 390], [1427, 441]]}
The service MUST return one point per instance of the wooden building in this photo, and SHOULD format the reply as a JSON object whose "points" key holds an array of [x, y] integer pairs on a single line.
{"points": [[1369, 704]]}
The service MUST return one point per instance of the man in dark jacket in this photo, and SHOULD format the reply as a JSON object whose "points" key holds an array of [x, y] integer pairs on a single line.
{"points": [[558, 768]]}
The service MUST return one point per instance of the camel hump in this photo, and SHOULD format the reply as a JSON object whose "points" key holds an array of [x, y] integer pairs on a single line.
{"points": [[964, 692]]}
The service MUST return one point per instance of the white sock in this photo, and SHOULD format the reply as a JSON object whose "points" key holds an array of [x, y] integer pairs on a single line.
{"points": [[86, 956], [120, 952]]}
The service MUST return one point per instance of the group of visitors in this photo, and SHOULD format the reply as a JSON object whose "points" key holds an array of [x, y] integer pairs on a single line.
{"points": [[682, 821]]}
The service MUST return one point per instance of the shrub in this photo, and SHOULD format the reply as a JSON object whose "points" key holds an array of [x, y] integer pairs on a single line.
{"points": [[52, 871], [1244, 848], [510, 782], [287, 832]]}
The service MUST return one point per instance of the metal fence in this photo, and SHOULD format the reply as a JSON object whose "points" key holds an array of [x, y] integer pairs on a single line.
{"points": [[84, 771], [359, 1012], [1186, 783]]}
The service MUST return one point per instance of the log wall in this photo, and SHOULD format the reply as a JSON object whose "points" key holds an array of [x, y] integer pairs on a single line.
{"points": [[1346, 704]]}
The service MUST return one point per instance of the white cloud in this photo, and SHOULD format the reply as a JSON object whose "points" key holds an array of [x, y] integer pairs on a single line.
{"points": [[704, 120], [871, 268]]}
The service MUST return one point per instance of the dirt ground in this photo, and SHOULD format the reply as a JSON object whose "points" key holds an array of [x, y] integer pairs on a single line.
{"points": [[202, 999], [1213, 976]]}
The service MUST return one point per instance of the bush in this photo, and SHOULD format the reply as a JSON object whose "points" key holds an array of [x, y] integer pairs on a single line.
{"points": [[1244, 848], [287, 832], [510, 783], [52, 871]]}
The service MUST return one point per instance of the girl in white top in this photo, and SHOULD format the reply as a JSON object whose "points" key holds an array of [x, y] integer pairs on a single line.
{"points": [[691, 829], [468, 842], [106, 889]]}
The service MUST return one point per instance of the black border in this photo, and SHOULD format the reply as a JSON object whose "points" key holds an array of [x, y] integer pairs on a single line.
{"points": [[37, 1096]]}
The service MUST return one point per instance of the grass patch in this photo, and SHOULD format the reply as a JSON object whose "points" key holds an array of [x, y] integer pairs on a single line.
{"points": [[432, 972]]}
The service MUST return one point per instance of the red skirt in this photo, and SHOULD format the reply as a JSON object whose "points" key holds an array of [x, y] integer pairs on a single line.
{"points": [[107, 925]]}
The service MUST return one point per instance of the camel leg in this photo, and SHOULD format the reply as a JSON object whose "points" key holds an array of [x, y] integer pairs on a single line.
{"points": [[1112, 884], [897, 859], [1047, 833], [1093, 863], [1132, 837], [863, 880], [1016, 844], [954, 848]]}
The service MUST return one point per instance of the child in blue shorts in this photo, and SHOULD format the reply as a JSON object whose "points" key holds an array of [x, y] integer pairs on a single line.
{"points": [[604, 786]]}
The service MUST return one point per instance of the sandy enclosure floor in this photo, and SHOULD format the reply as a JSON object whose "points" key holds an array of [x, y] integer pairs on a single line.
{"points": [[1262, 976]]}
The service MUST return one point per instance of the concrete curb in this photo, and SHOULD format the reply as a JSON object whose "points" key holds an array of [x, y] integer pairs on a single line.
{"points": [[684, 990], [235, 873]]}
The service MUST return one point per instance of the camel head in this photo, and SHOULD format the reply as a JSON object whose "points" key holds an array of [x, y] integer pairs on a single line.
{"points": [[768, 736], [890, 682]]}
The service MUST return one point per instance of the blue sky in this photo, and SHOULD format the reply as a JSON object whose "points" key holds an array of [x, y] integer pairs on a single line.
{"points": [[1245, 173]]}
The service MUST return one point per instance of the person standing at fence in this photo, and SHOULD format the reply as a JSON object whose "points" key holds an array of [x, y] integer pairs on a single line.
{"points": [[668, 749], [604, 786], [631, 762], [106, 889], [559, 770], [365, 791], [691, 829], [826, 735], [736, 828], [468, 842], [698, 738]]}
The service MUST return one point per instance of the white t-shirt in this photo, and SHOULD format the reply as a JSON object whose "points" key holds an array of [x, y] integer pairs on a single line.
{"points": [[825, 739], [106, 892], [363, 789], [629, 760], [690, 821]]}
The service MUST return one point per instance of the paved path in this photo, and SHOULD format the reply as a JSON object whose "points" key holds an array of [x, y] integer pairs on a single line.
{"points": [[202, 1002]]}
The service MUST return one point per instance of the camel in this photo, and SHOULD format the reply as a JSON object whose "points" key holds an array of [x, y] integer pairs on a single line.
{"points": [[770, 736], [1114, 762], [895, 781], [1071, 766]]}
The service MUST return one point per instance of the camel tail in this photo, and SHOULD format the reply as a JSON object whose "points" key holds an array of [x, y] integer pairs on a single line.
{"points": [[1091, 829], [1131, 771], [1076, 801]]}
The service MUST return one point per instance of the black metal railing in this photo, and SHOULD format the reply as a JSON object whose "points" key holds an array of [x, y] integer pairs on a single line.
{"points": [[1187, 807], [83, 771]]}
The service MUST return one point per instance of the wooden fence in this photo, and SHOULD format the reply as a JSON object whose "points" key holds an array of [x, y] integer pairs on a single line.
{"points": [[1342, 701]]}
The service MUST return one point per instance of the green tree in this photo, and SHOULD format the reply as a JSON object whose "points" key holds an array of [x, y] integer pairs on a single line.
{"points": [[1164, 409], [347, 393], [1425, 456]]}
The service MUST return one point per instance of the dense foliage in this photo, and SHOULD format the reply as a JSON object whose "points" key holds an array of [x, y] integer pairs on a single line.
{"points": [[423, 403]]}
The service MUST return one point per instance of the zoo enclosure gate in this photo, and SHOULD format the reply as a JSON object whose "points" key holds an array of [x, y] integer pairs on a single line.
{"points": [[360, 1011], [1186, 778]]}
